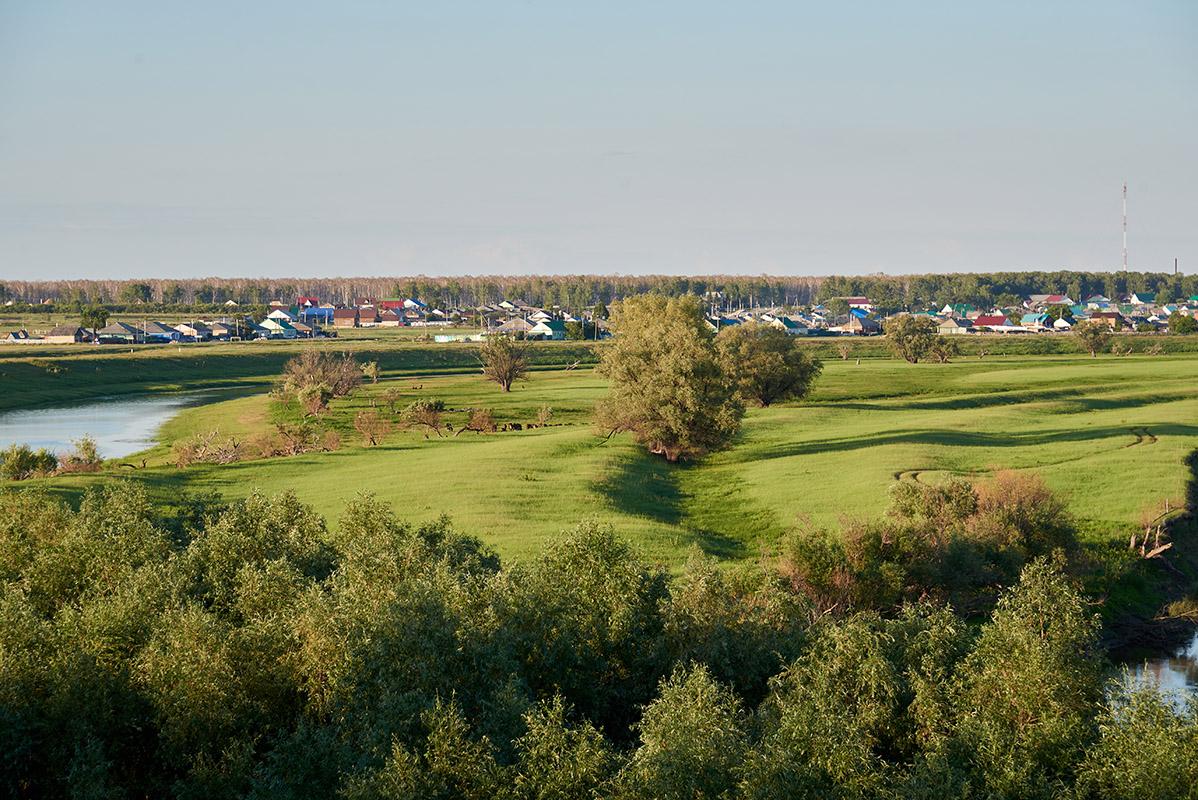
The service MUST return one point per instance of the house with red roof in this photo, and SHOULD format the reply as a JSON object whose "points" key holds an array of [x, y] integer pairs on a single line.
{"points": [[996, 323]]}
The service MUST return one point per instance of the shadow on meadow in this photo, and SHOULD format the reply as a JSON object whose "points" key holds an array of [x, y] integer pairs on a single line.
{"points": [[1066, 401], [643, 485], [962, 438]]}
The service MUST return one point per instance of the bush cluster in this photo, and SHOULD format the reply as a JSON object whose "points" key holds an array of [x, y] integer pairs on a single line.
{"points": [[246, 650], [957, 542]]}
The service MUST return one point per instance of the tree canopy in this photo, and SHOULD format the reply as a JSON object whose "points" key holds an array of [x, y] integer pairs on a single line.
{"points": [[669, 387], [1094, 337], [504, 360], [767, 364], [911, 338], [247, 649]]}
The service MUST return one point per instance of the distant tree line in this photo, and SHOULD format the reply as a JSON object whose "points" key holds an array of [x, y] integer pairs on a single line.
{"points": [[585, 291], [213, 650]]}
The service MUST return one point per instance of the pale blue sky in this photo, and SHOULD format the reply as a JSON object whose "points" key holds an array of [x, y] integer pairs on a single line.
{"points": [[287, 138]]}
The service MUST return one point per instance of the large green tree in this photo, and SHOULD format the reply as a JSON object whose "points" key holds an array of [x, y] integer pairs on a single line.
{"points": [[911, 338], [94, 317], [1093, 336], [767, 363], [504, 360], [1180, 323], [669, 387]]}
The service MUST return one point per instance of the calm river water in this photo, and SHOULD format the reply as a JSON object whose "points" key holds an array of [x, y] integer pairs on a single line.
{"points": [[121, 426], [1176, 673]]}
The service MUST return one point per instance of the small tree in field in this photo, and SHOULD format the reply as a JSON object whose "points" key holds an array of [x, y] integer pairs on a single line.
{"points": [[391, 398], [340, 374], [314, 398], [504, 361], [1180, 323], [370, 371], [944, 350], [94, 317], [1093, 336], [669, 388], [373, 426], [481, 420], [423, 414], [911, 338], [767, 363]]}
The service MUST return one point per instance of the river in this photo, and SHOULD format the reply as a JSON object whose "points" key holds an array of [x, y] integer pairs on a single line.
{"points": [[121, 426], [1175, 674]]}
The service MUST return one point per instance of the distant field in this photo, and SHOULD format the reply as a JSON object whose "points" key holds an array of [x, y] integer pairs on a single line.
{"points": [[1110, 434], [45, 375]]}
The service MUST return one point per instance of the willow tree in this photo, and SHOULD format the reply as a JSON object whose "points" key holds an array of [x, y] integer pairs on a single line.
{"points": [[766, 363], [669, 387], [504, 361], [911, 338]]}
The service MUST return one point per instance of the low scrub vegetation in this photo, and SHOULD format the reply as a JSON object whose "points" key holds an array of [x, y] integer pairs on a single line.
{"points": [[215, 650], [20, 462], [957, 542]]}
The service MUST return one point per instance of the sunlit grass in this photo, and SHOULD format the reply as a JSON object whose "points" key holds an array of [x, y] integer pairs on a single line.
{"points": [[1108, 434]]}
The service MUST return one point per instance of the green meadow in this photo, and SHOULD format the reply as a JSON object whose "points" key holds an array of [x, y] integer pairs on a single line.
{"points": [[1109, 434]]}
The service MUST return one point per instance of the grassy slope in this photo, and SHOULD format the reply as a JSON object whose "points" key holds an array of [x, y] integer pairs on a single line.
{"points": [[1109, 434]]}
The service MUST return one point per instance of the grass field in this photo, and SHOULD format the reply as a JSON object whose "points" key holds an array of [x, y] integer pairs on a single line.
{"points": [[1110, 434]]}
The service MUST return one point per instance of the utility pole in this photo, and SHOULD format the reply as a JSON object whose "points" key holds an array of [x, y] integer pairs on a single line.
{"points": [[1125, 226]]}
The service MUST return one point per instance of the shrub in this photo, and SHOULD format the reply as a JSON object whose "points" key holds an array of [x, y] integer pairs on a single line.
{"points": [[207, 448], [85, 457], [423, 414], [373, 426], [481, 420], [19, 462], [337, 375], [1018, 510]]}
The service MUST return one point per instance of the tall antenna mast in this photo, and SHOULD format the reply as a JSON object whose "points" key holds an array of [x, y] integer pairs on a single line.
{"points": [[1125, 226]]}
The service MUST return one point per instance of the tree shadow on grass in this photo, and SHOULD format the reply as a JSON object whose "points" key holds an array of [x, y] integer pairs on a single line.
{"points": [[962, 438], [1070, 400], [642, 485]]}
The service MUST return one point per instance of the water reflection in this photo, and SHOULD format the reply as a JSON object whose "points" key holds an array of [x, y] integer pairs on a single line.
{"points": [[1177, 673], [120, 426]]}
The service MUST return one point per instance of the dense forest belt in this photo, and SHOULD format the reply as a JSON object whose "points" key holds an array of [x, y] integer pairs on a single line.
{"points": [[65, 375]]}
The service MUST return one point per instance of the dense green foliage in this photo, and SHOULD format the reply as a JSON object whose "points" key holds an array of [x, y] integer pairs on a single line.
{"points": [[1093, 336], [1182, 324], [504, 361], [246, 650], [20, 462], [670, 388], [911, 338], [767, 364]]}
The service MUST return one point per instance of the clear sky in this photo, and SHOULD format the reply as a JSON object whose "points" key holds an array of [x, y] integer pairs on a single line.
{"points": [[172, 138]]}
